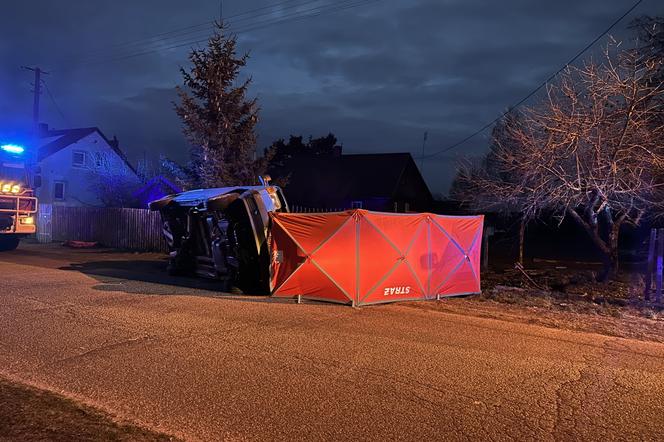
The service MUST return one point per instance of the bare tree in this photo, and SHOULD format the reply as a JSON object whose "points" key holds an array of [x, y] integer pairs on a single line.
{"points": [[650, 43], [487, 186], [112, 182], [592, 150]]}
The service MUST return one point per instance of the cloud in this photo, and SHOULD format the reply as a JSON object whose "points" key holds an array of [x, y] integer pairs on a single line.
{"points": [[377, 76]]}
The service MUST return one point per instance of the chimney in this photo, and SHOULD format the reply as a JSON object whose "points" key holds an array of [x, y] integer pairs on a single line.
{"points": [[114, 142]]}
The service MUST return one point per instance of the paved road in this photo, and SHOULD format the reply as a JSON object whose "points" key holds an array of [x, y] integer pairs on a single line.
{"points": [[111, 330]]}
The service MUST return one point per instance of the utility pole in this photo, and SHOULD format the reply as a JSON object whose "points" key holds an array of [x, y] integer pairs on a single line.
{"points": [[37, 93], [34, 157], [424, 143]]}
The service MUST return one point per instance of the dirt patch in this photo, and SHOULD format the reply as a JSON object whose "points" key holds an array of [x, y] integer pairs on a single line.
{"points": [[29, 414]]}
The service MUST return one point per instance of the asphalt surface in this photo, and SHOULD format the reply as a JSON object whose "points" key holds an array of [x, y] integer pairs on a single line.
{"points": [[113, 331]]}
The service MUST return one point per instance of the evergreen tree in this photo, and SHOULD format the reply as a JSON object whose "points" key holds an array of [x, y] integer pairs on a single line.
{"points": [[219, 120]]}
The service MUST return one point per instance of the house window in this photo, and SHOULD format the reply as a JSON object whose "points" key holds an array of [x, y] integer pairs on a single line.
{"points": [[78, 158], [356, 204], [59, 191]]}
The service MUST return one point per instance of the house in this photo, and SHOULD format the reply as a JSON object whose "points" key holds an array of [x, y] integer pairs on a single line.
{"points": [[77, 165], [389, 182]]}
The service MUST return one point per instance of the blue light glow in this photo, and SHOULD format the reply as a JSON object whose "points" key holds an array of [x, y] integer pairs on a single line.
{"points": [[12, 148]]}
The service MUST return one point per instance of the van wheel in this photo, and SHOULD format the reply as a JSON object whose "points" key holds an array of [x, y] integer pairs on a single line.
{"points": [[8, 243]]}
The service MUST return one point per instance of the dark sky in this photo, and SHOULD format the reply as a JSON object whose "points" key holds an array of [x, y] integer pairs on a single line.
{"points": [[377, 75]]}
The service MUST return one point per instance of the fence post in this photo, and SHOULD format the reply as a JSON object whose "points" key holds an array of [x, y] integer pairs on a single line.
{"points": [[486, 235], [660, 264], [650, 267]]}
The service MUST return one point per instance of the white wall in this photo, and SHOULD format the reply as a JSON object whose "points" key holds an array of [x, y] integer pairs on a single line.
{"points": [[79, 180]]}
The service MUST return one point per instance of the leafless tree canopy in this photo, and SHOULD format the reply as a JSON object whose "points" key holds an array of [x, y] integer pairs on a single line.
{"points": [[592, 150]]}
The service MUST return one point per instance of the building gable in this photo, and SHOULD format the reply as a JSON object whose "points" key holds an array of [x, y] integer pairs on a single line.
{"points": [[54, 141]]}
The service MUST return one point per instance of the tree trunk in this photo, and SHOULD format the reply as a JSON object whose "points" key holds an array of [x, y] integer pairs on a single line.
{"points": [[610, 269], [522, 234], [613, 259], [609, 249]]}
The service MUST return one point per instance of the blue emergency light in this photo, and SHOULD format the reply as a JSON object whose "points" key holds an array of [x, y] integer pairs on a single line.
{"points": [[12, 148]]}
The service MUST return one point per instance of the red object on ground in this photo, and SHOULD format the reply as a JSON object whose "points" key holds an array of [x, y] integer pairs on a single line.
{"points": [[359, 257], [80, 244]]}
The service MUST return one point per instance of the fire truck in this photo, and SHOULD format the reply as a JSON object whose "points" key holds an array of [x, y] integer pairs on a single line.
{"points": [[18, 204]]}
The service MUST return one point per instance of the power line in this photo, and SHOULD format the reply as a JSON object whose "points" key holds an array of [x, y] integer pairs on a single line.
{"points": [[206, 25], [534, 91], [336, 8], [312, 12], [293, 16], [55, 104], [199, 28]]}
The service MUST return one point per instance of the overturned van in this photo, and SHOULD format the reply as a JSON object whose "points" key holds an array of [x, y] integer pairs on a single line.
{"points": [[221, 233]]}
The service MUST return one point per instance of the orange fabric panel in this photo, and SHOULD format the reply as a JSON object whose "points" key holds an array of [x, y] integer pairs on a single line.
{"points": [[286, 258], [377, 256], [310, 230], [398, 228], [419, 256], [308, 280], [400, 283], [363, 257], [338, 258], [446, 256]]}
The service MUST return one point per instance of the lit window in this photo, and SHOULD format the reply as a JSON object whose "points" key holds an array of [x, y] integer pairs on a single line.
{"points": [[59, 191], [78, 158], [356, 204]]}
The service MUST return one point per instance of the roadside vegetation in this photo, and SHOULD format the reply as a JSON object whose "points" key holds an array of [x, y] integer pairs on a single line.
{"points": [[573, 290], [591, 150]]}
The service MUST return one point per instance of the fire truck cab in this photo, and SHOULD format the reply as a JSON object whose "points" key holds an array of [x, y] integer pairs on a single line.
{"points": [[18, 204]]}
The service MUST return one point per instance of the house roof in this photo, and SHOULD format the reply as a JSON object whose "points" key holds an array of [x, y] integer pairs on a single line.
{"points": [[359, 176], [54, 141]]}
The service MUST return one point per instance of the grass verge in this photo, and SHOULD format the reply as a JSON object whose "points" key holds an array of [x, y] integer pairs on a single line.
{"points": [[29, 414]]}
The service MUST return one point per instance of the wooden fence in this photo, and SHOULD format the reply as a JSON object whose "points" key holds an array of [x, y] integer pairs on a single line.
{"points": [[122, 228]]}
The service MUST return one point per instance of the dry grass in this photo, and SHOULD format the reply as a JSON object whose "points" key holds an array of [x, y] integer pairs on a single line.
{"points": [[566, 298], [571, 290]]}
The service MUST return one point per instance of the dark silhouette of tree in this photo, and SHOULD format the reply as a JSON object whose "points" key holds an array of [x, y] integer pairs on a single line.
{"points": [[282, 154], [218, 118], [282, 151]]}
